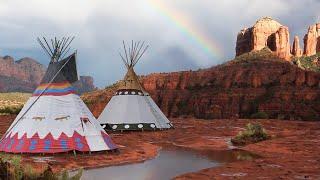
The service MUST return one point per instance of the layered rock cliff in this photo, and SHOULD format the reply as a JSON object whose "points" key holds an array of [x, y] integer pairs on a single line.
{"points": [[240, 88], [22, 75]]}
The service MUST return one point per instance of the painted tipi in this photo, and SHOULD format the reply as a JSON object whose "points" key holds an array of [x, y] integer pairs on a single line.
{"points": [[131, 108], [55, 119]]}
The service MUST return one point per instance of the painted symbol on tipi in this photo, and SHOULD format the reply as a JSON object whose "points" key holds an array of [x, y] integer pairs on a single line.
{"points": [[79, 143], [62, 118], [47, 144], [33, 144], [63, 144], [38, 118], [10, 144], [20, 144]]}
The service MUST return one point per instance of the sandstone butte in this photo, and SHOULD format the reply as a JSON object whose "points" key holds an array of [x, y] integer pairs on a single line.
{"points": [[267, 32]]}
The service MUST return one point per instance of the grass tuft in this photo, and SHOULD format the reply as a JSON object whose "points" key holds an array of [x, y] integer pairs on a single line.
{"points": [[12, 167], [253, 133]]}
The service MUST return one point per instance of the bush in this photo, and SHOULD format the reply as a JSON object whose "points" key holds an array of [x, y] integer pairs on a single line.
{"points": [[253, 133], [310, 63], [10, 110], [264, 53], [259, 115], [11, 167]]}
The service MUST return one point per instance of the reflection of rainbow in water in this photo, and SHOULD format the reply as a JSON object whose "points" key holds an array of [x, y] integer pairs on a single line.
{"points": [[187, 28]]}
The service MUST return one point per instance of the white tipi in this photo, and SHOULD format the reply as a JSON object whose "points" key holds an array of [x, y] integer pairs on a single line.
{"points": [[131, 108], [55, 119]]}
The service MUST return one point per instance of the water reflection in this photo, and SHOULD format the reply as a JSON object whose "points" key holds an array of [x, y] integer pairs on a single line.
{"points": [[168, 164]]}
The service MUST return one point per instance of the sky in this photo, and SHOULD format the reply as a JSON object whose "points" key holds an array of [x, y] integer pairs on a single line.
{"points": [[182, 34]]}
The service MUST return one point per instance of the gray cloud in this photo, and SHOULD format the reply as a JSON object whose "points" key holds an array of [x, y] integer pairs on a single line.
{"points": [[101, 25]]}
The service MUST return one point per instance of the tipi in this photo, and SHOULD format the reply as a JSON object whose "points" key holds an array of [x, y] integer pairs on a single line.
{"points": [[55, 119], [131, 108]]}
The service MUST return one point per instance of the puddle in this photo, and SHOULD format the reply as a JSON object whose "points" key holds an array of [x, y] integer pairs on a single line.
{"points": [[168, 164]]}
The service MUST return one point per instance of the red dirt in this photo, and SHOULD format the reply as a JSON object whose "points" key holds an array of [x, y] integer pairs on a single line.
{"points": [[292, 152]]}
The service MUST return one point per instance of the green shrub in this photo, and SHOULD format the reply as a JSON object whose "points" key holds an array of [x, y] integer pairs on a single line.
{"points": [[253, 133], [10, 110], [307, 62], [259, 115], [11, 166], [264, 53]]}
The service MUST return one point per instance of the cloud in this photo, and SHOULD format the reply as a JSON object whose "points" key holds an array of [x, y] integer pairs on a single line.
{"points": [[101, 25]]}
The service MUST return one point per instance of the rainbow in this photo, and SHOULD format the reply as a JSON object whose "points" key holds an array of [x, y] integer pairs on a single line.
{"points": [[188, 28]]}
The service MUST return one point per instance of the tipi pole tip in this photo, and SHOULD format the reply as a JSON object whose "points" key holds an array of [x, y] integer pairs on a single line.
{"points": [[133, 52], [56, 48]]}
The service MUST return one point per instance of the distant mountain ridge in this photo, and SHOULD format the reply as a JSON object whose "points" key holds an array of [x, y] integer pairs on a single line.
{"points": [[24, 75]]}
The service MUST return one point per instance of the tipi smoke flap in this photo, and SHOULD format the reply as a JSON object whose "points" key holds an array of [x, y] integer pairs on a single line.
{"points": [[55, 119], [132, 108]]}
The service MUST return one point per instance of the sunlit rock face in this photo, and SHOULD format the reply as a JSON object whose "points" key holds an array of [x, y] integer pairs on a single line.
{"points": [[266, 32], [312, 40], [296, 50]]}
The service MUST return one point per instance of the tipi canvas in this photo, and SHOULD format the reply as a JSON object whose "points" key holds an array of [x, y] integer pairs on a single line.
{"points": [[55, 119], [132, 108]]}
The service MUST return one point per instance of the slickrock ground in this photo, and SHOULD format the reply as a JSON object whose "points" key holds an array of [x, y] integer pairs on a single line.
{"points": [[292, 153]]}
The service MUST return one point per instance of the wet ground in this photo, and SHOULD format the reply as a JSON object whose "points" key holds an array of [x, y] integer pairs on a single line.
{"points": [[169, 163], [293, 152]]}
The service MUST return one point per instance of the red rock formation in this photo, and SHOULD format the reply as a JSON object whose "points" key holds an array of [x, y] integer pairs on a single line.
{"points": [[22, 75], [265, 33], [85, 84], [25, 69], [237, 88], [296, 50], [310, 41], [244, 41], [282, 43]]}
